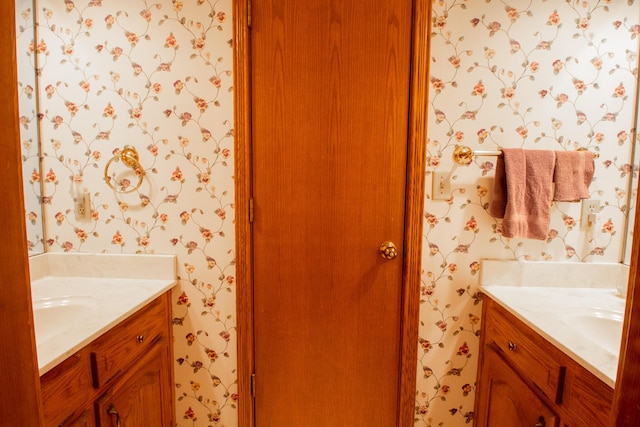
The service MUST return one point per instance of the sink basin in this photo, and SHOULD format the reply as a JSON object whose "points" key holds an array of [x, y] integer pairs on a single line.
{"points": [[603, 327], [53, 315]]}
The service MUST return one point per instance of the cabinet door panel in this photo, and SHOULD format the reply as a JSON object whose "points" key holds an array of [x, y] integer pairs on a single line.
{"points": [[506, 401], [140, 399], [87, 419]]}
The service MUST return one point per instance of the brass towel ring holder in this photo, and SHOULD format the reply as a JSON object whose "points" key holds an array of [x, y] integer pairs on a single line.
{"points": [[129, 157]]}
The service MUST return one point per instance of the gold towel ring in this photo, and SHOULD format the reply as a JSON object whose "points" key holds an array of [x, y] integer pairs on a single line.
{"points": [[129, 157]]}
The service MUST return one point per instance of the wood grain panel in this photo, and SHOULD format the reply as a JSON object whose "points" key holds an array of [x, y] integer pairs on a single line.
{"points": [[139, 398], [626, 409], [528, 353], [585, 400], [86, 419], [626, 403], [127, 342], [414, 211], [244, 237], [507, 401], [66, 389], [20, 396], [330, 110], [586, 397], [414, 208]]}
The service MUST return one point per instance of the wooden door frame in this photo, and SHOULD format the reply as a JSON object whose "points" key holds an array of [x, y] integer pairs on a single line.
{"points": [[626, 406], [414, 209], [20, 402]]}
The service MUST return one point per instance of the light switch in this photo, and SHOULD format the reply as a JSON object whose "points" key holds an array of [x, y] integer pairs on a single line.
{"points": [[441, 186]]}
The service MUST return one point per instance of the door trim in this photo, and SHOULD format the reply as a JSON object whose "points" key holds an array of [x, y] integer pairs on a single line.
{"points": [[414, 209], [18, 359]]}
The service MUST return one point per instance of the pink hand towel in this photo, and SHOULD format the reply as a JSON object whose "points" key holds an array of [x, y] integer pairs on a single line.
{"points": [[499, 202], [573, 175], [528, 179]]}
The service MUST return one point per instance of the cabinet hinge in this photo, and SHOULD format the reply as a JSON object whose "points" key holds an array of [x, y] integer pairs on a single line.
{"points": [[249, 13], [253, 385], [251, 210]]}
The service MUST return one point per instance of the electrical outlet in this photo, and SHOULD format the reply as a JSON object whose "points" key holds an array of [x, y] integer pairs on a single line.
{"points": [[441, 186], [83, 207], [590, 208]]}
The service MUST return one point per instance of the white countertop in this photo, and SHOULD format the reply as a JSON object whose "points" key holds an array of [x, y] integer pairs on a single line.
{"points": [[545, 294], [110, 287]]}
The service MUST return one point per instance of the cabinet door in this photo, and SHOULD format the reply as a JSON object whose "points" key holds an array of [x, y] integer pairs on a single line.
{"points": [[86, 419], [505, 400], [141, 398]]}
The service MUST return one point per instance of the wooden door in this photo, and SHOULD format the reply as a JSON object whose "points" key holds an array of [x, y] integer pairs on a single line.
{"points": [[20, 402], [330, 103]]}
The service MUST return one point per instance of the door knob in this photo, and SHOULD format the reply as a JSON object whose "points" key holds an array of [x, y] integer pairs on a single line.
{"points": [[388, 250]]}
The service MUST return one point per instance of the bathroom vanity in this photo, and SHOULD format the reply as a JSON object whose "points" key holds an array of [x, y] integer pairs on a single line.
{"points": [[525, 380], [103, 335], [549, 343], [125, 376]]}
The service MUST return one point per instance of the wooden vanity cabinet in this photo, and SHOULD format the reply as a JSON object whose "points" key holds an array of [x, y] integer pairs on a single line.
{"points": [[524, 380], [124, 378]]}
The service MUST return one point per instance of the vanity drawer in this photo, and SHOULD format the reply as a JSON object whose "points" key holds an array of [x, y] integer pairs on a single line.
{"points": [[129, 341], [523, 349]]}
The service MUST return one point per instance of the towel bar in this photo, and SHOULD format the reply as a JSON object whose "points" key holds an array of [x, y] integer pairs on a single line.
{"points": [[463, 154]]}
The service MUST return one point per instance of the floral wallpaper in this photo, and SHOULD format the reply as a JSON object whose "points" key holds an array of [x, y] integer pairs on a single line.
{"points": [[555, 75], [157, 76]]}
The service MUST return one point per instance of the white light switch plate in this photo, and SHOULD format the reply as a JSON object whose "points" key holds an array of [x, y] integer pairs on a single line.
{"points": [[441, 186]]}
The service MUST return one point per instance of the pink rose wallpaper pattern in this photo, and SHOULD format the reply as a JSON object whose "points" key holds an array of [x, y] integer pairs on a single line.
{"points": [[552, 75], [157, 76]]}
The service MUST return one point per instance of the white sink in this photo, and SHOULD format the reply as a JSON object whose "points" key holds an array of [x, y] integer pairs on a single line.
{"points": [[52, 316], [601, 326]]}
